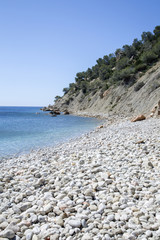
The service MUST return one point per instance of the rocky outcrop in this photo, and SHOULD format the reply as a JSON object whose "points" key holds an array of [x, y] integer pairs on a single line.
{"points": [[155, 110], [118, 100], [45, 109], [52, 114], [66, 112], [53, 111], [138, 118], [57, 112]]}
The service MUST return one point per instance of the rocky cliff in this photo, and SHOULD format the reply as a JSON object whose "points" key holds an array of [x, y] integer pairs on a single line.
{"points": [[140, 98]]}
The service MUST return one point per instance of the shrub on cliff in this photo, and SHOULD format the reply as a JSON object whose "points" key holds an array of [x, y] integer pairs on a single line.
{"points": [[65, 90], [120, 67], [156, 48], [57, 98], [148, 57]]}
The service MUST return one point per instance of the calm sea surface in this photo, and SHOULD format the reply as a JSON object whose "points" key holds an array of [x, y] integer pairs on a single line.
{"points": [[22, 129]]}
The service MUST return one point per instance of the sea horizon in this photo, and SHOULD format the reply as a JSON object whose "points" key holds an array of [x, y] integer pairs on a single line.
{"points": [[19, 106]]}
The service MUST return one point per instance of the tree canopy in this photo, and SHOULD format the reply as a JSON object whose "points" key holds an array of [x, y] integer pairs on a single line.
{"points": [[120, 67]]}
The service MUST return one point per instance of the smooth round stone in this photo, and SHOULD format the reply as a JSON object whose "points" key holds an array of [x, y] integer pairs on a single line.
{"points": [[29, 235], [14, 227], [25, 206], [107, 237], [93, 207], [74, 223], [131, 237], [137, 232], [148, 233], [89, 192], [80, 201], [31, 198], [3, 225], [2, 219], [158, 233], [19, 198], [41, 218], [111, 218], [59, 221], [16, 209], [101, 208], [124, 217], [28, 192], [81, 162], [87, 236], [44, 227], [8, 233], [95, 231], [34, 218], [35, 237], [37, 175], [61, 196], [71, 232], [36, 230], [106, 226], [84, 224], [54, 236], [17, 238], [105, 175], [48, 208]]}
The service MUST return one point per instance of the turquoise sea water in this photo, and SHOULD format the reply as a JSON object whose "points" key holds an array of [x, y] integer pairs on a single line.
{"points": [[22, 129]]}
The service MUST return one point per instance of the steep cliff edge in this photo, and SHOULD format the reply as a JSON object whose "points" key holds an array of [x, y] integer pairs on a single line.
{"points": [[125, 83], [140, 98]]}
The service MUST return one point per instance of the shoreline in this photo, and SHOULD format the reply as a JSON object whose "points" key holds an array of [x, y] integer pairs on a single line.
{"points": [[57, 145], [59, 142], [102, 185], [106, 120]]}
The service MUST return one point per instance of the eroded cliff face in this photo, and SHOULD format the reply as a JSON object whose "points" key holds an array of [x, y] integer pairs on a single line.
{"points": [[140, 98]]}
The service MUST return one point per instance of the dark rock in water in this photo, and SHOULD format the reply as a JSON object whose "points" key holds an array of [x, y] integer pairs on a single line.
{"points": [[57, 112], [45, 109], [66, 112], [52, 113], [101, 126]]}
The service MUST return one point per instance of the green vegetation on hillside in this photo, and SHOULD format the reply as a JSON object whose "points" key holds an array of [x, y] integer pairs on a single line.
{"points": [[122, 67]]}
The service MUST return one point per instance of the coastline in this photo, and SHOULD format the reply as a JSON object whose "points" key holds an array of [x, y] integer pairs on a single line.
{"points": [[27, 130], [102, 185]]}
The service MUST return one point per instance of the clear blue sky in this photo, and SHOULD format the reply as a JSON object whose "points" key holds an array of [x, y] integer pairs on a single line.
{"points": [[44, 43]]}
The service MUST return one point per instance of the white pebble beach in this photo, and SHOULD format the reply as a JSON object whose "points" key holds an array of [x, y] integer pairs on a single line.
{"points": [[104, 185]]}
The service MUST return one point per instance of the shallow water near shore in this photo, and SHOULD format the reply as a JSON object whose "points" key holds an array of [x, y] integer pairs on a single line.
{"points": [[25, 128]]}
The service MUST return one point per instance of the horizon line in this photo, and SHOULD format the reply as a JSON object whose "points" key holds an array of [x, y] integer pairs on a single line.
{"points": [[18, 106]]}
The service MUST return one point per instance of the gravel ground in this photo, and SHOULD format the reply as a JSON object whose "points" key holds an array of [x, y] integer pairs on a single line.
{"points": [[104, 185]]}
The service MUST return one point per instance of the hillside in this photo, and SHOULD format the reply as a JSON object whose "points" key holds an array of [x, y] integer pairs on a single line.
{"points": [[124, 83], [121, 100]]}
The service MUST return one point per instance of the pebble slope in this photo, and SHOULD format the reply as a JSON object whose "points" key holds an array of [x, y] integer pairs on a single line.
{"points": [[104, 185]]}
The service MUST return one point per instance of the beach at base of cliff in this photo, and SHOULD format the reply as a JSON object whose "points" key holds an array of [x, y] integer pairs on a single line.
{"points": [[104, 185]]}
